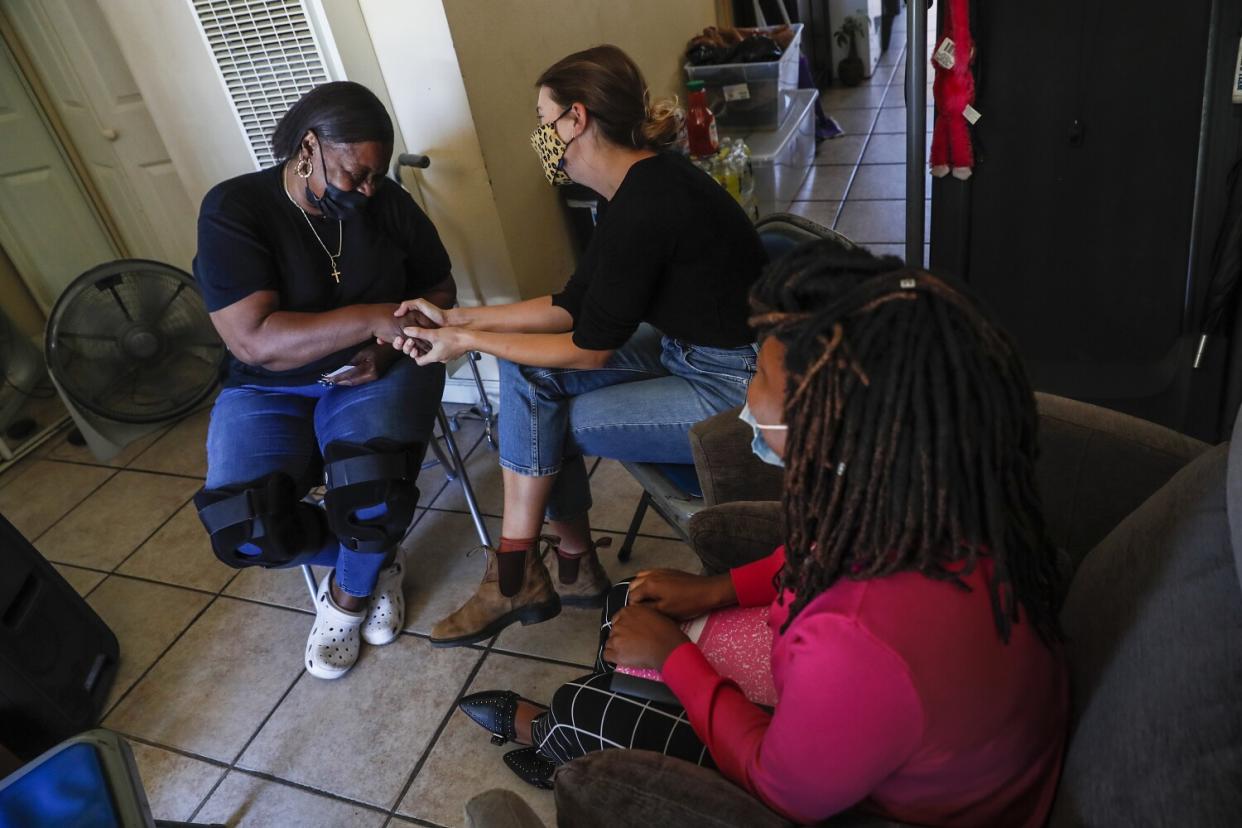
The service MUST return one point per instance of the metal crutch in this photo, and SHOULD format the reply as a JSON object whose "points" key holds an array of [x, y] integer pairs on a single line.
{"points": [[482, 410]]}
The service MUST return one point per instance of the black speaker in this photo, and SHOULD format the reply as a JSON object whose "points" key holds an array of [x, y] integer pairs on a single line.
{"points": [[57, 657]]}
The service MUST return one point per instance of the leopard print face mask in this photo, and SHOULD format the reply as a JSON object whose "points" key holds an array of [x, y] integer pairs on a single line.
{"points": [[551, 150]]}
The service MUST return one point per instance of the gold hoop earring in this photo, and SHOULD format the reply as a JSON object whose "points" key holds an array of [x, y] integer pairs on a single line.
{"points": [[304, 168]]}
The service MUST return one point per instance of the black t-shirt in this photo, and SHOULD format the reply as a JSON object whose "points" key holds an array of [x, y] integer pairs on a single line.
{"points": [[672, 249], [252, 238]]}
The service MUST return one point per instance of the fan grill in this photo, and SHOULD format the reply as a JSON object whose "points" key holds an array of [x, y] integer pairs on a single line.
{"points": [[131, 341]]}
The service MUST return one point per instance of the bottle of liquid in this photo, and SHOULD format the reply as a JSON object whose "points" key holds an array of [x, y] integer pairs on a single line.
{"points": [[730, 170], [747, 179], [700, 122]]}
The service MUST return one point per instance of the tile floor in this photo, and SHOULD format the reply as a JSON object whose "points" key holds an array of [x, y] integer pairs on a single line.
{"points": [[226, 725], [858, 183]]}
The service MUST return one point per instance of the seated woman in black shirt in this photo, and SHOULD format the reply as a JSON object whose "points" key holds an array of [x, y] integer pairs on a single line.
{"points": [[648, 337], [302, 266]]}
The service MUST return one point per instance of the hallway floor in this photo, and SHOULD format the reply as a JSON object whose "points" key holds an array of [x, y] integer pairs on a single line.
{"points": [[858, 183]]}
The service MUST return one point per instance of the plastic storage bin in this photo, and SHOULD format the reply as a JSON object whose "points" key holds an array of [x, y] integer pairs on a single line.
{"points": [[748, 95], [780, 160]]}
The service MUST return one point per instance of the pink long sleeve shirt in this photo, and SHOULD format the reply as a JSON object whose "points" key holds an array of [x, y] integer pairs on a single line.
{"points": [[894, 693]]}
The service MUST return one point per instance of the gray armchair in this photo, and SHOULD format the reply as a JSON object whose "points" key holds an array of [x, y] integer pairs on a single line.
{"points": [[1095, 467], [1153, 617]]}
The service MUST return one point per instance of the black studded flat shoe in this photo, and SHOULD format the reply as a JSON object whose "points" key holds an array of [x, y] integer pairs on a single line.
{"points": [[531, 767], [494, 711]]}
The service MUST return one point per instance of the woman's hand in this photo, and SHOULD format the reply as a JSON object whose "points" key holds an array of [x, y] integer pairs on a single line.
{"points": [[423, 314], [428, 345], [642, 637], [370, 363], [680, 594], [385, 324]]}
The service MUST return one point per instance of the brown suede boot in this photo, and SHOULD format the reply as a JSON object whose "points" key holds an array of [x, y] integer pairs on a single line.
{"points": [[489, 611], [581, 581]]}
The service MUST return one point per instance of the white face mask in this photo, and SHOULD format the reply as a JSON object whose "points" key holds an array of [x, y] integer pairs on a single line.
{"points": [[759, 445]]}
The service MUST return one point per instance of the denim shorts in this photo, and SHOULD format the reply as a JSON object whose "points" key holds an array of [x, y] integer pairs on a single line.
{"points": [[639, 407]]}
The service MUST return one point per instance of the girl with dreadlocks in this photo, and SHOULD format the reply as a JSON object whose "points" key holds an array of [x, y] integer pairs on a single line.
{"points": [[916, 653]]}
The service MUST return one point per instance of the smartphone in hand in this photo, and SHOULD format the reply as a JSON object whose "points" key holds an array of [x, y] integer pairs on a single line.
{"points": [[331, 377]]}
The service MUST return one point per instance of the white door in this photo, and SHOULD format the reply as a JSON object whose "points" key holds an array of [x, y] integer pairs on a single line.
{"points": [[46, 224], [90, 84]]}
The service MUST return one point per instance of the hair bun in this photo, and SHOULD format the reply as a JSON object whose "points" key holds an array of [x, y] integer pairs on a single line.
{"points": [[662, 124]]}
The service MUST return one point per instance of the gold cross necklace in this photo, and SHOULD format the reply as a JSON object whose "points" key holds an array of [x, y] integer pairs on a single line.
{"points": [[340, 239]]}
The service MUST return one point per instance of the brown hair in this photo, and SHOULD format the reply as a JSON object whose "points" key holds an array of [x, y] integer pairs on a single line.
{"points": [[610, 85]]}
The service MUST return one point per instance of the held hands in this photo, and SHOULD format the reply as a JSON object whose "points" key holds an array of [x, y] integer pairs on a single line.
{"points": [[419, 313], [427, 333], [681, 595], [428, 345], [642, 637]]}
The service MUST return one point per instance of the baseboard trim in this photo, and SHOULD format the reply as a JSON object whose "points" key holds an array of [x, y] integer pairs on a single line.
{"points": [[463, 390]]}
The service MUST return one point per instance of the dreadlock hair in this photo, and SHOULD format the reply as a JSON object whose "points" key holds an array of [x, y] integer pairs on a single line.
{"points": [[911, 442]]}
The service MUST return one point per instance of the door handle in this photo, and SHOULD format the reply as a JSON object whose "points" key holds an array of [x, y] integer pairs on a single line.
{"points": [[109, 133]]}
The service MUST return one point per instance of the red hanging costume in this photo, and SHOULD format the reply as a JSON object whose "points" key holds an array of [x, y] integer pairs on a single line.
{"points": [[954, 92]]}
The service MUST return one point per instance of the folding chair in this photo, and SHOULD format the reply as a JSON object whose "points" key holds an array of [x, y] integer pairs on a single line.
{"points": [[673, 489], [450, 458], [482, 410]]}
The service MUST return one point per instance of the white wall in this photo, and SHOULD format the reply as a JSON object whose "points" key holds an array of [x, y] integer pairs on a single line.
{"points": [[414, 48], [346, 43], [415, 51], [182, 88]]}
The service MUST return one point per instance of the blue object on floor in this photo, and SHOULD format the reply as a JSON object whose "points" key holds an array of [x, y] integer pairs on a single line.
{"points": [[87, 781], [67, 790]]}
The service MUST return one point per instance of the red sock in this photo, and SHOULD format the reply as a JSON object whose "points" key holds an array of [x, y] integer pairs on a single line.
{"points": [[567, 563], [512, 567]]}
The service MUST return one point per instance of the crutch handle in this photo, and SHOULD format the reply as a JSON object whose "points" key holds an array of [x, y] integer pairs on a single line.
{"points": [[411, 159]]}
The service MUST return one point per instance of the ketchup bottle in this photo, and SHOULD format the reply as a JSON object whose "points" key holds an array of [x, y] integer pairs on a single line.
{"points": [[700, 122]]}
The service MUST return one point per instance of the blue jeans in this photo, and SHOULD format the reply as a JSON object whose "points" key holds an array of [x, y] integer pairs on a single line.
{"points": [[258, 430], [639, 407]]}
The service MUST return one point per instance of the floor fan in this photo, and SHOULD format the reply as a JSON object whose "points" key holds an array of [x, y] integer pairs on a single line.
{"points": [[130, 347]]}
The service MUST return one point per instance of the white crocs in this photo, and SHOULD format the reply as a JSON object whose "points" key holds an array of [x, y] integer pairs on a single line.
{"points": [[386, 613], [332, 647]]}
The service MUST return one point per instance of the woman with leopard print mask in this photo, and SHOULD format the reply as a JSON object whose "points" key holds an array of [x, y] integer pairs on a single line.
{"points": [[648, 337]]}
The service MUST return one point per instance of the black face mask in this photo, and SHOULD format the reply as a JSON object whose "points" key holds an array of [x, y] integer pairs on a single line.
{"points": [[335, 203]]}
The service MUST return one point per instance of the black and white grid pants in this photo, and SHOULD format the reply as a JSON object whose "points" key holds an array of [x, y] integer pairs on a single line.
{"points": [[585, 715]]}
